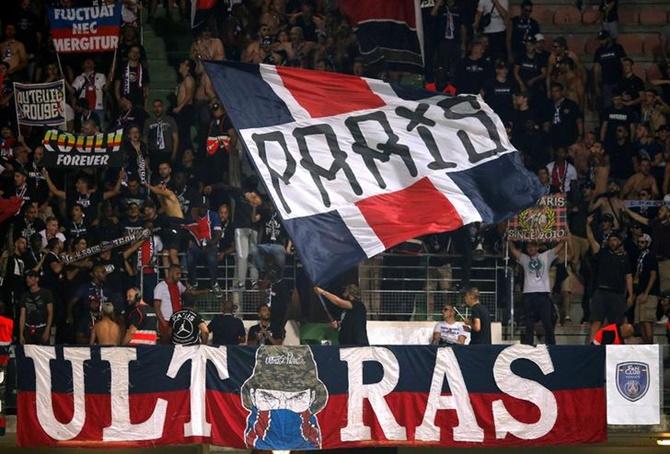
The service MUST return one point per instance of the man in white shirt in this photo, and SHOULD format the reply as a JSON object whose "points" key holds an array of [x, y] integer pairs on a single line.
{"points": [[537, 287], [449, 331], [168, 300], [89, 85], [495, 30], [561, 172]]}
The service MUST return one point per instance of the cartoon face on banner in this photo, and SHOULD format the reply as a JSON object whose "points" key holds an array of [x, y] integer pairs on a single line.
{"points": [[283, 396]]}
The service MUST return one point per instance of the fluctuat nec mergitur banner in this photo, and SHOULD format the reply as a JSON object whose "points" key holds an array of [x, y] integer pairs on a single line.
{"points": [[309, 397], [85, 29]]}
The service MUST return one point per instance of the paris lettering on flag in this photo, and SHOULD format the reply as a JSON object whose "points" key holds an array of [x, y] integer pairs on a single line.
{"points": [[356, 166]]}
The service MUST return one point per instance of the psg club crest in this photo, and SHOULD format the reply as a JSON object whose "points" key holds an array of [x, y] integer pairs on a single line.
{"points": [[632, 380]]}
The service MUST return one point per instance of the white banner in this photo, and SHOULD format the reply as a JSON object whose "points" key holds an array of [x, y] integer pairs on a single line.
{"points": [[633, 385]]}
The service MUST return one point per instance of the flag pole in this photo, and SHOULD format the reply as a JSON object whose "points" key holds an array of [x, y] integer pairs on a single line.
{"points": [[325, 308], [506, 259], [16, 110]]}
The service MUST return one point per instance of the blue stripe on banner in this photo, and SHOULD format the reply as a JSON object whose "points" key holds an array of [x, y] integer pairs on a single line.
{"points": [[413, 94], [500, 188], [325, 245], [249, 101]]}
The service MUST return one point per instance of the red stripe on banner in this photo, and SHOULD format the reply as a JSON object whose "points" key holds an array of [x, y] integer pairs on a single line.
{"points": [[324, 94], [576, 422], [103, 30], [580, 419], [414, 211], [378, 10]]}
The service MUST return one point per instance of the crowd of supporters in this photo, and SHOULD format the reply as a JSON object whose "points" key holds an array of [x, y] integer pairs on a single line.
{"points": [[586, 124]]}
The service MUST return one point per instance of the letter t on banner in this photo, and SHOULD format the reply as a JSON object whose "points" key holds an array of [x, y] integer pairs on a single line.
{"points": [[633, 384]]}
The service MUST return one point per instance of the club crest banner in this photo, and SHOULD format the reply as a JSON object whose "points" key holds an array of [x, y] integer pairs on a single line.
{"points": [[310, 397], [633, 384], [63, 149], [86, 29], [40, 104], [547, 221]]}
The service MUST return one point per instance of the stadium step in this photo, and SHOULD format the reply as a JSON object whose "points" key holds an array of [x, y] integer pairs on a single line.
{"points": [[166, 43]]}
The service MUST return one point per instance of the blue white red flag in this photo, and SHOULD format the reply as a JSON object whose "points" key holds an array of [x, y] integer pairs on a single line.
{"points": [[356, 166], [85, 29]]}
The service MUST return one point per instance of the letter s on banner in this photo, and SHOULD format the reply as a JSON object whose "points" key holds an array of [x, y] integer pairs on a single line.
{"points": [[121, 428], [45, 410], [356, 429], [468, 429], [524, 389]]}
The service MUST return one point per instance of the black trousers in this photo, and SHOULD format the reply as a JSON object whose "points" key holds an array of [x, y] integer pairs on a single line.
{"points": [[538, 306]]}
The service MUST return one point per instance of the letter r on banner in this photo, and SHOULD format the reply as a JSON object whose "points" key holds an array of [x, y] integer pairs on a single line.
{"points": [[356, 428]]}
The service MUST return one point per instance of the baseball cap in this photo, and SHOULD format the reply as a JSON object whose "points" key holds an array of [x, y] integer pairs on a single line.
{"points": [[32, 273], [531, 39], [645, 237], [539, 37], [603, 34]]}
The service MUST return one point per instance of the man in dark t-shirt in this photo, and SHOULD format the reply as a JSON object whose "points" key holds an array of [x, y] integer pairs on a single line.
{"points": [[141, 320], [262, 333], [188, 327], [607, 67], [480, 321], [613, 280], [353, 324], [227, 329], [36, 312]]}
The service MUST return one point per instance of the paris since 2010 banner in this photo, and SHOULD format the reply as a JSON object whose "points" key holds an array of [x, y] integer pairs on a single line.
{"points": [[307, 397]]}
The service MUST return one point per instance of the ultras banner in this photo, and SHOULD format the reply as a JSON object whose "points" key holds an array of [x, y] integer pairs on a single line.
{"points": [[307, 397], [40, 104]]}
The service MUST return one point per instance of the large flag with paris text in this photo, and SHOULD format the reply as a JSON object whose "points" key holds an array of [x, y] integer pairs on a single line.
{"points": [[356, 166]]}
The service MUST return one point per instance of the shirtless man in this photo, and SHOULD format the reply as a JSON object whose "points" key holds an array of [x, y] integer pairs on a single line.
{"points": [[13, 52], [184, 108], [106, 331], [260, 50], [573, 81], [642, 180], [610, 203], [175, 217], [207, 47]]}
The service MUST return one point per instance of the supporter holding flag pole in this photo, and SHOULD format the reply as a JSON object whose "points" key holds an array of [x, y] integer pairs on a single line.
{"points": [[375, 165]]}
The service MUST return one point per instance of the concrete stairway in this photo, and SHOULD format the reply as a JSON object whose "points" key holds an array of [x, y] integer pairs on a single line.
{"points": [[166, 42]]}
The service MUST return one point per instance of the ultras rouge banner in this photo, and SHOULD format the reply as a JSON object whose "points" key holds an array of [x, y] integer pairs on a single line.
{"points": [[306, 397]]}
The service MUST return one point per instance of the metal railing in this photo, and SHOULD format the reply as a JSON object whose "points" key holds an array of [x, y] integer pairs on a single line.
{"points": [[393, 286]]}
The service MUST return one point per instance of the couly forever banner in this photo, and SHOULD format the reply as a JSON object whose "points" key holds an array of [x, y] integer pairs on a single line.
{"points": [[307, 397]]}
